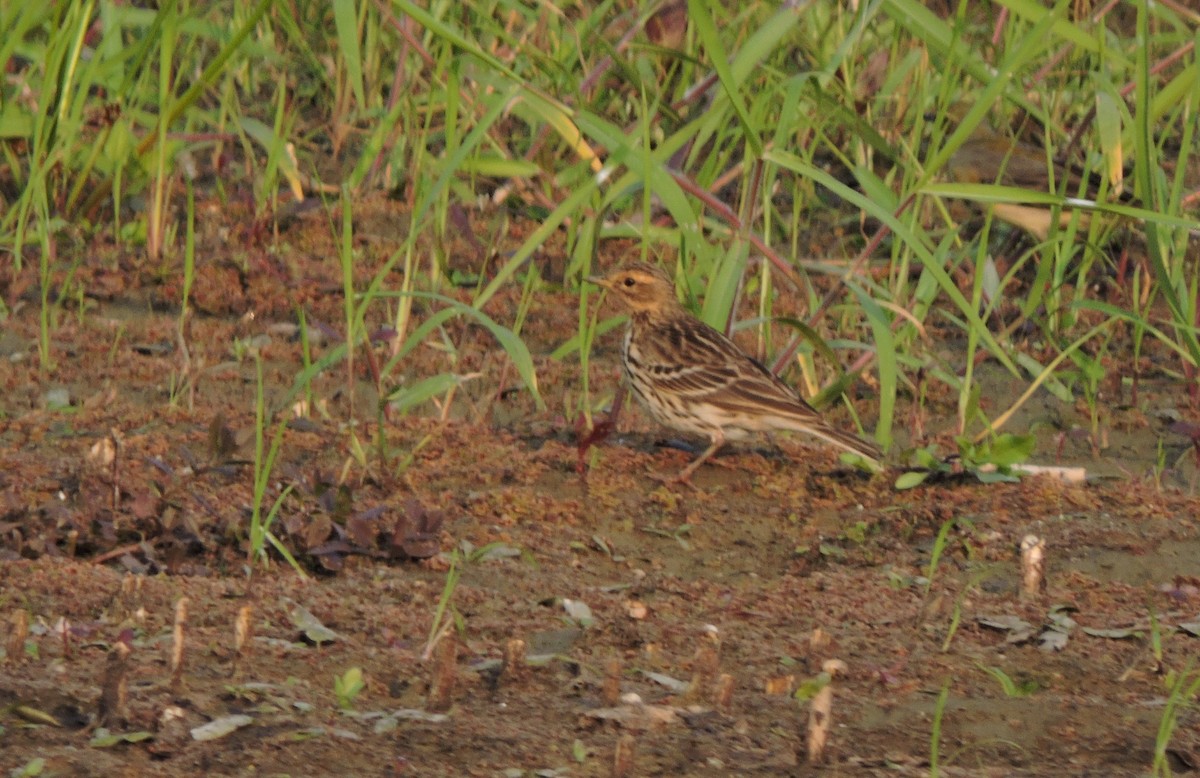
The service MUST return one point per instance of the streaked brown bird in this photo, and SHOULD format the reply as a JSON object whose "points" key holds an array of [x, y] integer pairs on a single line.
{"points": [[988, 158], [692, 378]]}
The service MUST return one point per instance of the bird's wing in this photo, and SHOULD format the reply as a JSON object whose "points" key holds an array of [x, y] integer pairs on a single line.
{"points": [[759, 394], [692, 360], [699, 363], [687, 358], [759, 390]]}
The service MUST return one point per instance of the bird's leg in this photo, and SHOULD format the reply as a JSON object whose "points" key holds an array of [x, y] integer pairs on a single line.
{"points": [[685, 475]]}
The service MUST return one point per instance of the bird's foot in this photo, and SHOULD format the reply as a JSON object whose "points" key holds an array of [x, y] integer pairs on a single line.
{"points": [[682, 478]]}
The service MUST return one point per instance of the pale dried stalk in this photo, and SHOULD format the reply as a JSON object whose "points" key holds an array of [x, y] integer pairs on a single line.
{"points": [[1033, 566], [610, 693], [181, 613], [130, 597], [445, 669], [241, 636], [115, 472], [442, 632], [704, 666], [623, 756], [515, 668], [723, 693], [114, 689], [778, 685], [241, 630], [820, 713], [17, 635]]}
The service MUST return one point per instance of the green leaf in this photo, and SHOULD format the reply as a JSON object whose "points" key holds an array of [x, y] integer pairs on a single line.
{"points": [[105, 739], [272, 143], [346, 23], [407, 397], [31, 769], [509, 341], [911, 478], [574, 343], [706, 30], [1052, 384], [14, 122], [1062, 28], [1009, 449], [929, 259], [924, 457], [832, 551], [809, 688], [1010, 687], [886, 362], [999, 193], [348, 685], [723, 283]]}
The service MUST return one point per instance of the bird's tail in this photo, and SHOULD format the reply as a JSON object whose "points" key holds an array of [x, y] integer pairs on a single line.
{"points": [[848, 441]]}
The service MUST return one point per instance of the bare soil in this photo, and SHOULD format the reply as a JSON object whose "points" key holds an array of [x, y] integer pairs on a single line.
{"points": [[705, 609]]}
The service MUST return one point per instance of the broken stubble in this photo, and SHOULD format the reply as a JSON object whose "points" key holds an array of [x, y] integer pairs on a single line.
{"points": [[778, 685], [63, 628], [704, 667], [241, 636], [115, 473], [623, 756], [441, 686], [181, 613], [610, 693], [723, 693], [820, 712], [1033, 566], [114, 689], [129, 599], [515, 668], [17, 634]]}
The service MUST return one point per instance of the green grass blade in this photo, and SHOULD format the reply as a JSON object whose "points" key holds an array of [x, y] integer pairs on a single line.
{"points": [[516, 349], [889, 371], [706, 30], [911, 239], [346, 23]]}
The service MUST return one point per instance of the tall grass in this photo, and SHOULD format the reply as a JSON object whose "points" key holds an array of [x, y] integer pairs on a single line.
{"points": [[769, 154]]}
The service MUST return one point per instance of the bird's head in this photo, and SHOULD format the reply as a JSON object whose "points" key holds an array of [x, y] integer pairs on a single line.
{"points": [[643, 288]]}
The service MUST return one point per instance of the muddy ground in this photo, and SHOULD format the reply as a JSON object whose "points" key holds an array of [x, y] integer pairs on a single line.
{"points": [[662, 628]]}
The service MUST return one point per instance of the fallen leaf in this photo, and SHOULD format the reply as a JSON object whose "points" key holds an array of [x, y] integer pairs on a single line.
{"points": [[220, 727], [579, 612], [309, 625], [1114, 634]]}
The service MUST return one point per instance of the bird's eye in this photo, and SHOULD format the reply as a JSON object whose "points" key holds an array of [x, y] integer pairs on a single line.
{"points": [[629, 281]]}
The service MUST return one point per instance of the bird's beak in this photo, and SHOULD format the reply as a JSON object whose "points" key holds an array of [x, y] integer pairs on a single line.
{"points": [[598, 281]]}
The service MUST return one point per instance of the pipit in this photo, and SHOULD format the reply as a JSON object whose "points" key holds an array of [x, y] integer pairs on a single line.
{"points": [[987, 158], [692, 378]]}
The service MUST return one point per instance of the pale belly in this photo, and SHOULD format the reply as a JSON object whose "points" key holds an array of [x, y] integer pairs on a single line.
{"points": [[697, 418]]}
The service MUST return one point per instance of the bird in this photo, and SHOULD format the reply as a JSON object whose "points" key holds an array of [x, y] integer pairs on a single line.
{"points": [[692, 378], [989, 158]]}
